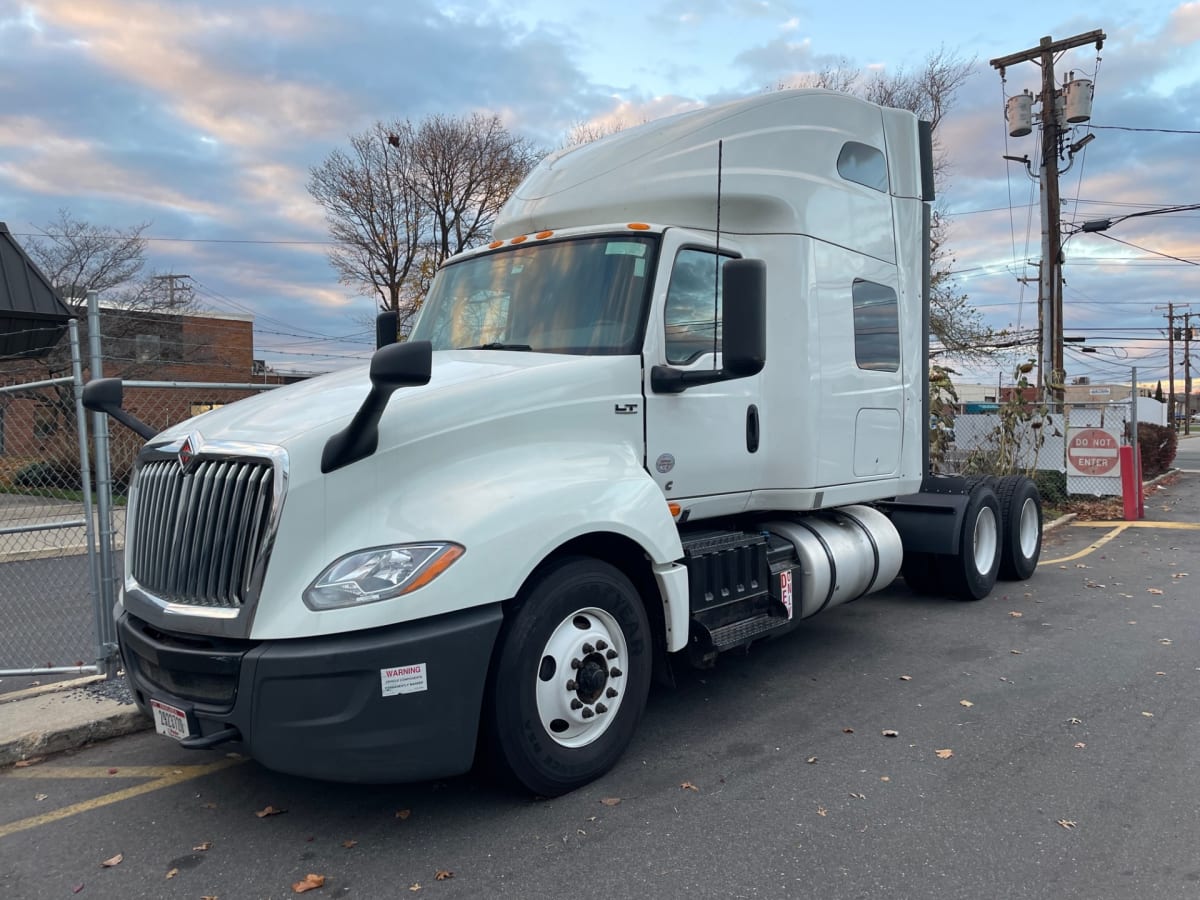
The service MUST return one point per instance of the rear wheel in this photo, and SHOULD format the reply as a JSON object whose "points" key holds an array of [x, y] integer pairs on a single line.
{"points": [[971, 573], [572, 676], [1020, 526]]}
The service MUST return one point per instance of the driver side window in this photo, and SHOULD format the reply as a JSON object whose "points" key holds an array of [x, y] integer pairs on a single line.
{"points": [[693, 316]]}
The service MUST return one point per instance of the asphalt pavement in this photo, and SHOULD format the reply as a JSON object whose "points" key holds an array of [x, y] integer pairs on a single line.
{"points": [[1046, 745]]}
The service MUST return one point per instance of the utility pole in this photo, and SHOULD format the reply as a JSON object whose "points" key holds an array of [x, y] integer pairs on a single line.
{"points": [[1187, 372], [1050, 307], [1171, 332], [170, 280]]}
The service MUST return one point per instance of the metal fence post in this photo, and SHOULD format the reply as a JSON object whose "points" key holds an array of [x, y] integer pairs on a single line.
{"points": [[106, 630], [85, 476]]}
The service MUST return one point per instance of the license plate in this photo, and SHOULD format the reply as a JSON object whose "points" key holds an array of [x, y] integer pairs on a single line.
{"points": [[170, 720]]}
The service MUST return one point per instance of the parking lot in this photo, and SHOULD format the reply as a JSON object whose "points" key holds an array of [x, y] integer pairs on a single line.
{"points": [[1046, 744]]}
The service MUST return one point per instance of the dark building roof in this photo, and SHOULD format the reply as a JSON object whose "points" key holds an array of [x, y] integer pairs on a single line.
{"points": [[32, 316]]}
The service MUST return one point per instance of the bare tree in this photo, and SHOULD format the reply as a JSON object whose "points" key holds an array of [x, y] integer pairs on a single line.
{"points": [[372, 210], [406, 197], [929, 92], [79, 257]]}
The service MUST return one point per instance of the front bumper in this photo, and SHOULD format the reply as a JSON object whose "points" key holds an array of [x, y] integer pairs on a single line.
{"points": [[317, 706]]}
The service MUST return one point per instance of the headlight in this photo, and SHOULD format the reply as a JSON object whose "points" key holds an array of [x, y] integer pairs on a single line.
{"points": [[379, 574]]}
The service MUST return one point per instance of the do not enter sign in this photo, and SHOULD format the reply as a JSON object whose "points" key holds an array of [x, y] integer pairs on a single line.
{"points": [[1092, 451]]}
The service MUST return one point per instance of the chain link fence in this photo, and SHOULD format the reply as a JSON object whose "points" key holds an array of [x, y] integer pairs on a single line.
{"points": [[1071, 450], [62, 515]]}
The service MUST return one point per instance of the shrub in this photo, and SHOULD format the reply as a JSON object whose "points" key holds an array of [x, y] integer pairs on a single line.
{"points": [[49, 474], [1157, 445], [1052, 485]]}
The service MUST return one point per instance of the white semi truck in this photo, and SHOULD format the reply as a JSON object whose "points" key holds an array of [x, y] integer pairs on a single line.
{"points": [[678, 405]]}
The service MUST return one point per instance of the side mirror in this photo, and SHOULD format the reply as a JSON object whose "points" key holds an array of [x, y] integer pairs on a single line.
{"points": [[392, 367], [105, 395], [387, 328], [744, 317], [744, 331]]}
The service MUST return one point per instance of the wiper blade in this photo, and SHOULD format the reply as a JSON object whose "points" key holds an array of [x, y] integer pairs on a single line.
{"points": [[498, 345]]}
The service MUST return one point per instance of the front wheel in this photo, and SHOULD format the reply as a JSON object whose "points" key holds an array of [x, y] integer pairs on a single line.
{"points": [[571, 678]]}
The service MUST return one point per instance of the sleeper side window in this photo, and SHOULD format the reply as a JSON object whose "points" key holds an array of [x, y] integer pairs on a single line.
{"points": [[863, 165], [876, 326]]}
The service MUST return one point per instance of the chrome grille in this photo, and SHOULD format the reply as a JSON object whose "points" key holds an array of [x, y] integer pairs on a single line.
{"points": [[198, 538]]}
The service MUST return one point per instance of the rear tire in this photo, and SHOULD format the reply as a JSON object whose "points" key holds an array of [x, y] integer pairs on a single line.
{"points": [[971, 573], [570, 681], [1020, 526]]}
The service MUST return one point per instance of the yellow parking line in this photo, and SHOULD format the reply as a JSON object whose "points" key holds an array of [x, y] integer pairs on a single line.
{"points": [[101, 771], [1091, 547], [1142, 523], [176, 775]]}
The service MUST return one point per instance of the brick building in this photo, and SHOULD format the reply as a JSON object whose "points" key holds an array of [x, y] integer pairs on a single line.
{"points": [[185, 352]]}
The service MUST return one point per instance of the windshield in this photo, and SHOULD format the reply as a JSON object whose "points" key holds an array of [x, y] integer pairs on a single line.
{"points": [[583, 296]]}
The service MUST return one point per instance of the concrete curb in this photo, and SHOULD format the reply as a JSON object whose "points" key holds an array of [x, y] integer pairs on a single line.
{"points": [[1059, 522], [74, 722]]}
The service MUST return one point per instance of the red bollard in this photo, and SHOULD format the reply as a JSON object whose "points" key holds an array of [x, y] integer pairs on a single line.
{"points": [[1131, 485]]}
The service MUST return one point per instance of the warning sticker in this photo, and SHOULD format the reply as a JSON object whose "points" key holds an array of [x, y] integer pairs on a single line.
{"points": [[785, 590], [404, 680]]}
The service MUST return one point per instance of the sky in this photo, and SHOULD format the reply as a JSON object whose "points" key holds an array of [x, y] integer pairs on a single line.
{"points": [[204, 119]]}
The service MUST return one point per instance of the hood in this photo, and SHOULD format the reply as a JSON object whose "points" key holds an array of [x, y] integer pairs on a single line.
{"points": [[325, 403]]}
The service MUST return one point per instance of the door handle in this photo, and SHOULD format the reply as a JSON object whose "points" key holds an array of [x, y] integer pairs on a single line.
{"points": [[752, 429]]}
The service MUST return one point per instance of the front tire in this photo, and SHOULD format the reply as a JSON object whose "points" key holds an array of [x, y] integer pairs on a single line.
{"points": [[571, 678]]}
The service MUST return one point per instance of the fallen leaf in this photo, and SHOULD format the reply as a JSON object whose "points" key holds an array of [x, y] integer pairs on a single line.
{"points": [[847, 731], [944, 754], [688, 786], [1148, 715], [112, 771], [210, 897], [1074, 721], [1126, 596], [201, 847], [77, 889], [40, 797], [1153, 591], [270, 811], [1160, 673], [611, 801], [403, 813], [884, 778], [906, 678], [1015, 614], [1067, 823], [811, 760], [172, 873], [1079, 745], [310, 883], [1134, 622], [888, 732], [415, 887], [26, 763], [967, 703], [858, 796], [1015, 652], [349, 844], [443, 874], [1164, 640], [822, 811], [112, 861]]}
